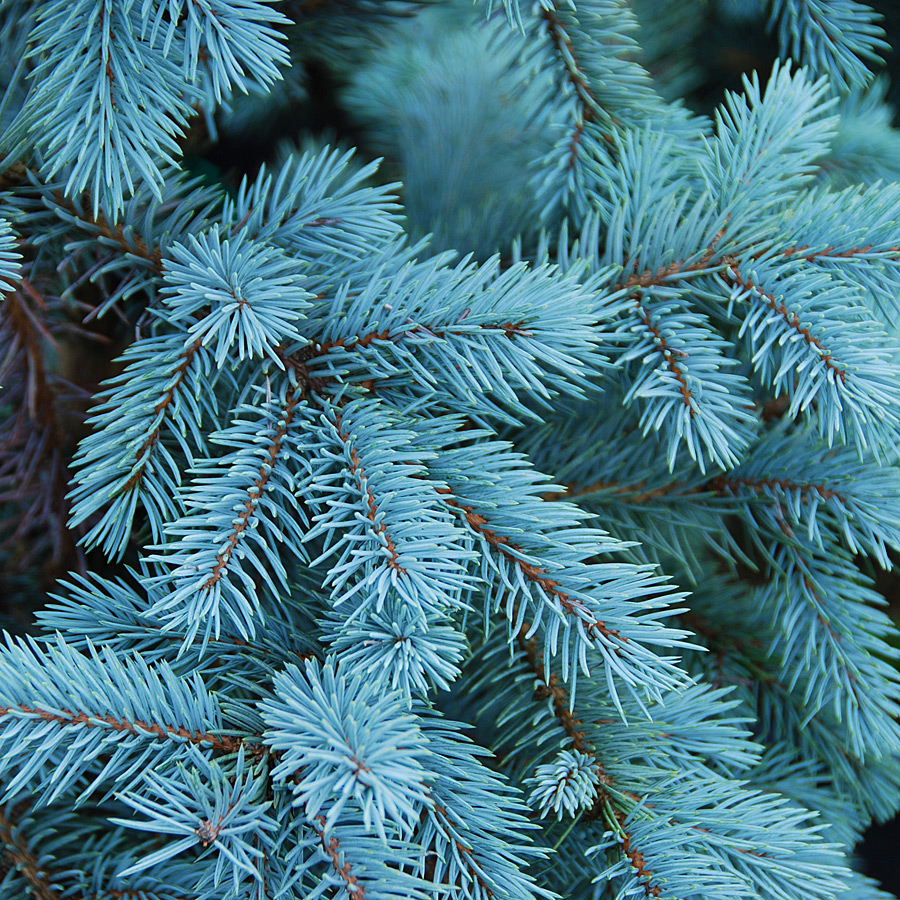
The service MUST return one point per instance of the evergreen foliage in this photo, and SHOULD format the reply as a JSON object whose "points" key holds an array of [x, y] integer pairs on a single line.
{"points": [[507, 530]]}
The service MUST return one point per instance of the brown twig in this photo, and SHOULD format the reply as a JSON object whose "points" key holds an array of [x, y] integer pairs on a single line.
{"points": [[791, 318], [536, 574], [21, 857], [255, 492], [65, 717], [332, 847], [358, 472], [559, 696]]}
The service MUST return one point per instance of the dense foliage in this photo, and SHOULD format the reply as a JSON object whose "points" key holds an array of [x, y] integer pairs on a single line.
{"points": [[508, 530]]}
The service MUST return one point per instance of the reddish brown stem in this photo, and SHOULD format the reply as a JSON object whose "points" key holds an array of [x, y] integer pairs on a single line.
{"points": [[332, 847], [66, 717], [255, 492], [20, 856], [537, 574]]}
